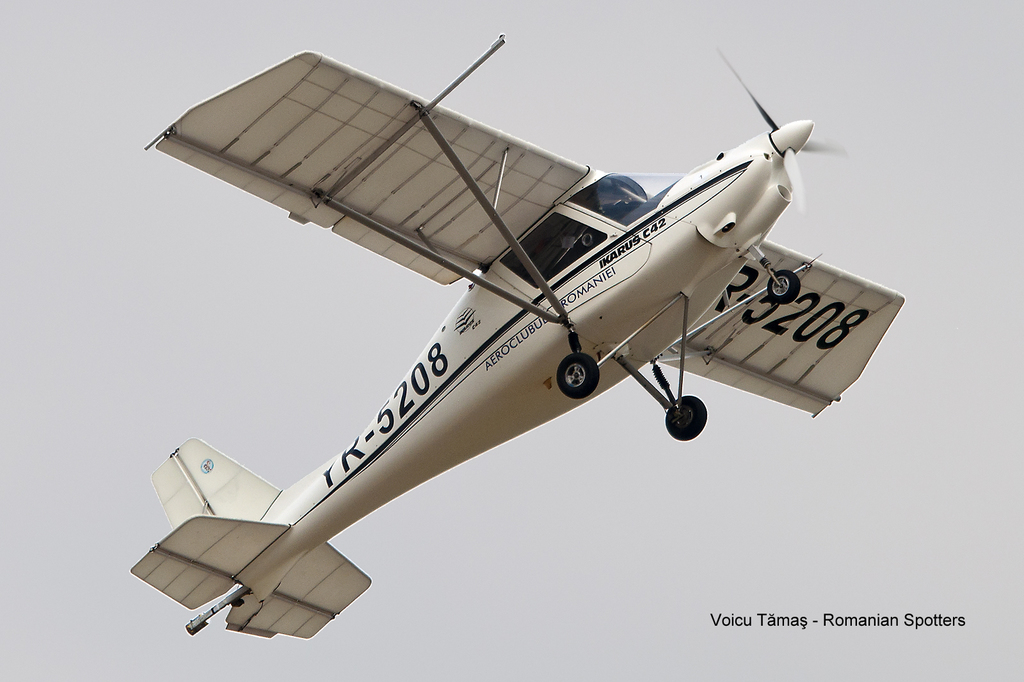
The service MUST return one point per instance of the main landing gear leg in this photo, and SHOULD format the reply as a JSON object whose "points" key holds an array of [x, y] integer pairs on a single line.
{"points": [[686, 416], [578, 373], [784, 286]]}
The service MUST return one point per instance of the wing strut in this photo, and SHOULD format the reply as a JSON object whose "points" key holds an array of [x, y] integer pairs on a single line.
{"points": [[492, 213], [471, 183], [347, 179], [622, 359]]}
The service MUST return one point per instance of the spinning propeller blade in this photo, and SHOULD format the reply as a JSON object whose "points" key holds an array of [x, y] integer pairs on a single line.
{"points": [[792, 137], [795, 179], [825, 147], [764, 114]]}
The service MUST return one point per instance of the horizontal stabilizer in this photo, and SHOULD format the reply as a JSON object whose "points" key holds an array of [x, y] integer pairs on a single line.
{"points": [[200, 480], [198, 561], [804, 354], [312, 593]]}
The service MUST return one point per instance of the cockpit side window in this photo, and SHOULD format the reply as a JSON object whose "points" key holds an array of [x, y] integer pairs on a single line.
{"points": [[554, 245]]}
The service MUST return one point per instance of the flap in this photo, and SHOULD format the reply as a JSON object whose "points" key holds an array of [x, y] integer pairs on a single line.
{"points": [[311, 123], [804, 354]]}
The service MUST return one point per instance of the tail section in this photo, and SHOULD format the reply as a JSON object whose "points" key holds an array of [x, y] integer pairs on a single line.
{"points": [[215, 506], [200, 480]]}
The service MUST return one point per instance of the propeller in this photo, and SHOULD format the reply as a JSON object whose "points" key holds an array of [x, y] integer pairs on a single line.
{"points": [[795, 179], [764, 114], [788, 140], [825, 147]]}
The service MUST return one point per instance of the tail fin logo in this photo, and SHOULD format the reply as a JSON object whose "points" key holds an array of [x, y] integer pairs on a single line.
{"points": [[206, 466]]}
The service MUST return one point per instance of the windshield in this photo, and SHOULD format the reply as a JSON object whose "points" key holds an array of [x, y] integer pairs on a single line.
{"points": [[624, 198]]}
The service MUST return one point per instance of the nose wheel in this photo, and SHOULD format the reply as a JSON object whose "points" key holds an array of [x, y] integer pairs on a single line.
{"points": [[783, 285], [784, 288]]}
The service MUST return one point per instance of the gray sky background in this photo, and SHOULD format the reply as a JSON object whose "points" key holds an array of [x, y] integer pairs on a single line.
{"points": [[143, 302]]}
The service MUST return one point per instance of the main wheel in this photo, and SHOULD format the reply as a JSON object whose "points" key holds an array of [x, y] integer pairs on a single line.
{"points": [[786, 289], [686, 420], [578, 375]]}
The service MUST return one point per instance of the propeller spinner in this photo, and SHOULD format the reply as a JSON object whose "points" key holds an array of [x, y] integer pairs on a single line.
{"points": [[793, 137]]}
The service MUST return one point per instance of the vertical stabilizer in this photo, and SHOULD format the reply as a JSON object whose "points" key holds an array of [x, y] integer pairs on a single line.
{"points": [[199, 480]]}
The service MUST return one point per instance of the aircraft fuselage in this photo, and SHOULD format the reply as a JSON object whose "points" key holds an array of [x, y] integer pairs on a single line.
{"points": [[487, 374]]}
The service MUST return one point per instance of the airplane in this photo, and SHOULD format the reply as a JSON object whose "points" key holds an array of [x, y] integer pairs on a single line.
{"points": [[577, 280]]}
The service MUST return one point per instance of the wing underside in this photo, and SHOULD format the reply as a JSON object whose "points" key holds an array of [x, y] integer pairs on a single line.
{"points": [[805, 354], [311, 126]]}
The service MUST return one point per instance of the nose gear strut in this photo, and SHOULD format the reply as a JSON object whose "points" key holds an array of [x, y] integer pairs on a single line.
{"points": [[784, 286]]}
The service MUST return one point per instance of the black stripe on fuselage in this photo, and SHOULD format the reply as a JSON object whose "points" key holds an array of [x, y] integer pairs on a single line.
{"points": [[475, 355], [736, 170]]}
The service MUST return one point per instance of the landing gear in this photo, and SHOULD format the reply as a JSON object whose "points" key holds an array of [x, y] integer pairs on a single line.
{"points": [[687, 418], [578, 373], [783, 285], [784, 288]]}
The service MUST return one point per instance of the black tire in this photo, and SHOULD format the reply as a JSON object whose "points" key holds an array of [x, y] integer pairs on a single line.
{"points": [[578, 375], [687, 420], [787, 289]]}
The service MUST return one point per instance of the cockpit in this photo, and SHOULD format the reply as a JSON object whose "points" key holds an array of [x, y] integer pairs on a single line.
{"points": [[625, 198], [559, 241]]}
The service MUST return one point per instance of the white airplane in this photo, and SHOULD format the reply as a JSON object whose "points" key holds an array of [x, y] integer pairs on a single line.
{"points": [[578, 278]]}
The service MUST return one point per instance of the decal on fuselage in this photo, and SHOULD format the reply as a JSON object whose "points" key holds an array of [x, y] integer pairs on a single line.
{"points": [[402, 403], [569, 300], [466, 321], [513, 342], [579, 292], [644, 234], [622, 248]]}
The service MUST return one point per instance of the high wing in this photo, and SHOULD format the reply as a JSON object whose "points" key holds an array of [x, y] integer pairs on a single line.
{"points": [[804, 354], [311, 134]]}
